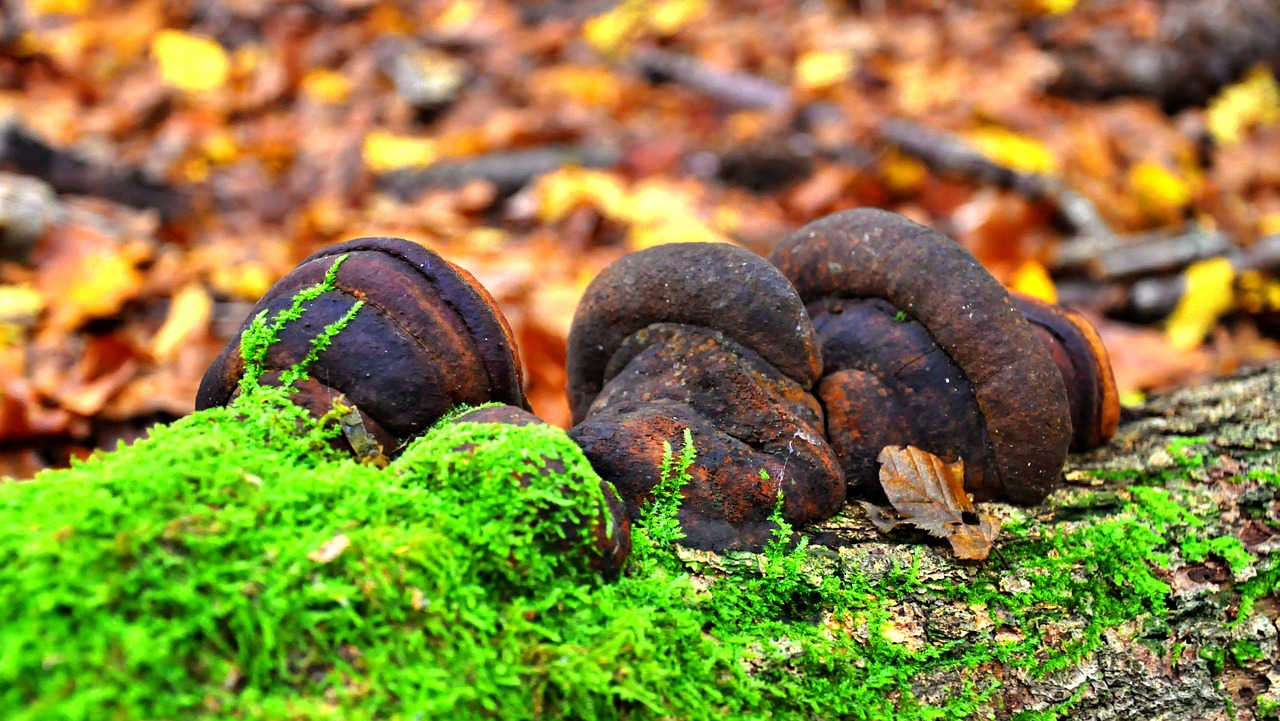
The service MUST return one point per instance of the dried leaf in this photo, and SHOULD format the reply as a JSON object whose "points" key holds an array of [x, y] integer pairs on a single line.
{"points": [[667, 17], [821, 69], [1032, 278], [1159, 188], [384, 152], [330, 549], [1252, 101], [190, 62], [1209, 296], [367, 449], [189, 314], [883, 522], [326, 86], [929, 494], [1013, 150]]}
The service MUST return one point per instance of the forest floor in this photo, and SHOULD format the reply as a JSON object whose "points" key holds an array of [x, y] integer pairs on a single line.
{"points": [[162, 163]]}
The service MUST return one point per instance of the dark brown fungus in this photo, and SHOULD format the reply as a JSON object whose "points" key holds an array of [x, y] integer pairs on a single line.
{"points": [[709, 285], [924, 347], [1077, 351], [429, 338], [711, 338], [611, 532]]}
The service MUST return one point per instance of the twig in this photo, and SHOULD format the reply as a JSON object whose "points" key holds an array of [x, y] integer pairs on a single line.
{"points": [[735, 89], [23, 152], [508, 171]]}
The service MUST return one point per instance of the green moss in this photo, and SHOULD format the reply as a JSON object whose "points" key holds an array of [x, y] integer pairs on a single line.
{"points": [[187, 577], [1228, 548]]}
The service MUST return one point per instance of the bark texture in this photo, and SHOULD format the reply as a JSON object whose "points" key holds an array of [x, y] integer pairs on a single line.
{"points": [[1212, 450]]}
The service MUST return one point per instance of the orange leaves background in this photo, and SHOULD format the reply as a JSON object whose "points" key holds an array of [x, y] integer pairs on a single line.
{"points": [[287, 126]]}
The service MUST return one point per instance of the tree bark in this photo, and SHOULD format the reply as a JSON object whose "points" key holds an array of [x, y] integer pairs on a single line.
{"points": [[1214, 450]]}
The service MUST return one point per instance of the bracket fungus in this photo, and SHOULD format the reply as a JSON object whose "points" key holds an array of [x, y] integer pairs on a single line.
{"points": [[712, 338], [924, 347], [1077, 350], [427, 339]]}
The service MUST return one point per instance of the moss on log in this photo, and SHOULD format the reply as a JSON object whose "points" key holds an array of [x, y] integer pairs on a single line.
{"points": [[232, 566]]}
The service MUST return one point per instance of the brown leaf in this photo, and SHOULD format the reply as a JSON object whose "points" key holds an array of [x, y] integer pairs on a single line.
{"points": [[883, 521], [929, 494], [330, 549]]}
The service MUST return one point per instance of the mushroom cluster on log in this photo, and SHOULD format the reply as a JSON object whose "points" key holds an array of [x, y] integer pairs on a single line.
{"points": [[863, 330], [924, 347]]}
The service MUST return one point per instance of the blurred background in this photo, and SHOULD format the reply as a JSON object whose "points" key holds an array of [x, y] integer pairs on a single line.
{"points": [[162, 163]]}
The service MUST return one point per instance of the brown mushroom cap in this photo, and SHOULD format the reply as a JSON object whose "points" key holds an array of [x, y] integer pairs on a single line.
{"points": [[428, 339], [709, 285], [868, 253], [755, 431], [1077, 350]]}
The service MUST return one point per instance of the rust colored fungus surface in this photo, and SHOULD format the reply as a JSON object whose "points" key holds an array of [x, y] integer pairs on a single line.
{"points": [[710, 285], [756, 428], [611, 549], [429, 338], [991, 352], [1077, 351]]}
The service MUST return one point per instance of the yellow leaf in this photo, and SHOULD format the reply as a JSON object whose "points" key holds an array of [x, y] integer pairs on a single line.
{"points": [[1255, 100], [246, 281], [1031, 278], [458, 15], [384, 152], [677, 229], [1269, 224], [1158, 188], [1208, 297], [560, 192], [608, 33], [220, 148], [652, 201], [19, 303], [93, 285], [1257, 292], [189, 314], [1053, 7], [590, 86], [326, 86], [190, 62], [1132, 398], [59, 7], [901, 173], [1013, 150], [19, 307], [669, 16], [821, 69]]}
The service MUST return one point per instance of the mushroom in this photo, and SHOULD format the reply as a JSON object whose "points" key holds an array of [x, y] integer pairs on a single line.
{"points": [[1082, 360], [610, 529], [710, 338], [924, 347], [427, 339]]}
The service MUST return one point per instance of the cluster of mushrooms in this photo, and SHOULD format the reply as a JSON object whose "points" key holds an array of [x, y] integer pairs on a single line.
{"points": [[861, 330]]}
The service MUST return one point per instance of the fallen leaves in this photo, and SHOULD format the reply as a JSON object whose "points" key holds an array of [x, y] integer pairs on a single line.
{"points": [[189, 315], [929, 494], [1210, 295], [1255, 100], [190, 62]]}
